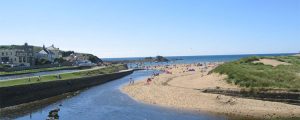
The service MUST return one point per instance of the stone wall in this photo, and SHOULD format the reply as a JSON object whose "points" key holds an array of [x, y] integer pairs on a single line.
{"points": [[15, 95]]}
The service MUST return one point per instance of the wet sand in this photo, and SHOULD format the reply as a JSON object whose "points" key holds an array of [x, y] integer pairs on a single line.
{"points": [[179, 85]]}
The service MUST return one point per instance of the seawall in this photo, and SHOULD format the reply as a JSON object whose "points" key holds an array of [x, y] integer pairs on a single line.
{"points": [[15, 95]]}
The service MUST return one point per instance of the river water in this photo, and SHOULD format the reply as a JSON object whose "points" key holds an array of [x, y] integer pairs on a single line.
{"points": [[107, 102]]}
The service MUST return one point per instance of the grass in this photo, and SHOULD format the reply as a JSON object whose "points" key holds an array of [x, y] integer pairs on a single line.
{"points": [[65, 76], [37, 70], [245, 73]]}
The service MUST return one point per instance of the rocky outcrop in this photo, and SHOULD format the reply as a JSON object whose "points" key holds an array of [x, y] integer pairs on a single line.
{"points": [[147, 59]]}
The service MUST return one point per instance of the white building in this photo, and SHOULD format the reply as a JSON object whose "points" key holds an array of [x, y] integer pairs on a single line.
{"points": [[55, 51], [17, 55], [49, 53]]}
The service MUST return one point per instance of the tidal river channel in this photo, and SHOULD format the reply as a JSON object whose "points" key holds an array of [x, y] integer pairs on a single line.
{"points": [[105, 102]]}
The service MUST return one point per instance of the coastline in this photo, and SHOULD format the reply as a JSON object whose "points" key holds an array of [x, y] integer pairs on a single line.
{"points": [[179, 89]]}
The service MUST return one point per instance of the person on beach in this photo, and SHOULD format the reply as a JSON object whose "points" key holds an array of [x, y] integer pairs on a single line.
{"points": [[58, 76], [148, 81], [131, 81], [39, 78]]}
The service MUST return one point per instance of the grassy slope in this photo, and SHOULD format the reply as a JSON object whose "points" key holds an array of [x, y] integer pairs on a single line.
{"points": [[36, 70], [106, 70], [257, 75]]}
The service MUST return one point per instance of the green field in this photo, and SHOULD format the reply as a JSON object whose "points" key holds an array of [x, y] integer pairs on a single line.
{"points": [[37, 70], [65, 76], [247, 74]]}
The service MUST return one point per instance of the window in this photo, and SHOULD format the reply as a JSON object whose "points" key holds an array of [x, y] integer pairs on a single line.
{"points": [[15, 59], [20, 59]]}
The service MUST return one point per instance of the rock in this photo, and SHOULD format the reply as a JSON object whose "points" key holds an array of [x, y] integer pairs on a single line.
{"points": [[53, 114]]}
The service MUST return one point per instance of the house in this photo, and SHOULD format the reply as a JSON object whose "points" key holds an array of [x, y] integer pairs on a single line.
{"points": [[49, 53], [17, 55], [55, 51]]}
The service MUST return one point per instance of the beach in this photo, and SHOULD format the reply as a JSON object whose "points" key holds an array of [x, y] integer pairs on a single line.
{"points": [[179, 86]]}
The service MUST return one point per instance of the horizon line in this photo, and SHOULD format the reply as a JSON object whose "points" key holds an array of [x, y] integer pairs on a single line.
{"points": [[202, 55]]}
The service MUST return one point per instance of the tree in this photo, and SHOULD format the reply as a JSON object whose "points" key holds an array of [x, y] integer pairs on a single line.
{"points": [[94, 59], [59, 60], [67, 53], [42, 61]]}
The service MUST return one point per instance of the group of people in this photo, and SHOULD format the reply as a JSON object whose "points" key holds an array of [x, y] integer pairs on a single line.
{"points": [[149, 80], [39, 78], [167, 69]]}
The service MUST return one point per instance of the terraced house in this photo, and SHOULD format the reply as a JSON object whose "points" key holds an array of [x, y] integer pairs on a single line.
{"points": [[17, 55]]}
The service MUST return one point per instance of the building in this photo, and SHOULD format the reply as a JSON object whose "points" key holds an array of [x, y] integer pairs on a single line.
{"points": [[17, 55], [49, 53], [56, 52]]}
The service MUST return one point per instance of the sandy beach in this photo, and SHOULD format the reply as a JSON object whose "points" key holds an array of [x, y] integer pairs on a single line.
{"points": [[178, 87]]}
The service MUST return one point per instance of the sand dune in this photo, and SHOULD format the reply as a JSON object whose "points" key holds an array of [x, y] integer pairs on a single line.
{"points": [[272, 62]]}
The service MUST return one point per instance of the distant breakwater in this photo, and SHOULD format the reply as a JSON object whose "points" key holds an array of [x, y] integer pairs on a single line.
{"points": [[15, 95]]}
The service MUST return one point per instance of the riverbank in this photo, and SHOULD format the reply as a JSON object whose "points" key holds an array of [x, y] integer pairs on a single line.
{"points": [[63, 76], [16, 92], [178, 87], [38, 70]]}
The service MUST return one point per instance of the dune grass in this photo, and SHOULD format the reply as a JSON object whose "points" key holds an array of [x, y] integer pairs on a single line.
{"points": [[257, 75], [65, 76]]}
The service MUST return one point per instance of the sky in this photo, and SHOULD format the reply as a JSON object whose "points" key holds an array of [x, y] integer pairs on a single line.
{"points": [[139, 28]]}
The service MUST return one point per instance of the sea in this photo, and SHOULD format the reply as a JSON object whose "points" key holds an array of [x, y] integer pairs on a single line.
{"points": [[194, 59]]}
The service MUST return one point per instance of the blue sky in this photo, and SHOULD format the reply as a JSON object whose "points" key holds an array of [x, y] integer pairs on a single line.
{"points": [[129, 28]]}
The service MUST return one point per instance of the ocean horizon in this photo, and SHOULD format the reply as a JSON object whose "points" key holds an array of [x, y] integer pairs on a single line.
{"points": [[210, 58]]}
